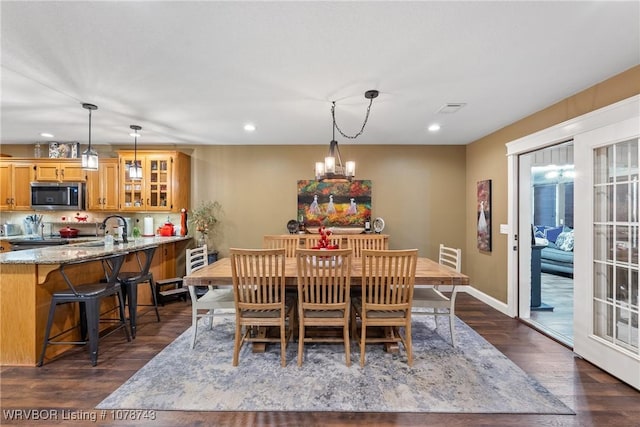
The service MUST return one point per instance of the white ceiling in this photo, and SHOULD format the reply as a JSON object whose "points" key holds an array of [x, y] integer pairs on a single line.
{"points": [[194, 73]]}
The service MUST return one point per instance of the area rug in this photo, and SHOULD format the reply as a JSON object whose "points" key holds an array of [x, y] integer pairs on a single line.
{"points": [[473, 377]]}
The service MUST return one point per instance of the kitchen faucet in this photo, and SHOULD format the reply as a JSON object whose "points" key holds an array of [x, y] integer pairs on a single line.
{"points": [[124, 226]]}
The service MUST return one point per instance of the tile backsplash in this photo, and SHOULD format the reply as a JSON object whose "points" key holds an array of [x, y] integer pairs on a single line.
{"points": [[54, 221]]}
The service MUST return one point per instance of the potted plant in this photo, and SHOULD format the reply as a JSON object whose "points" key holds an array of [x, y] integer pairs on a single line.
{"points": [[204, 219]]}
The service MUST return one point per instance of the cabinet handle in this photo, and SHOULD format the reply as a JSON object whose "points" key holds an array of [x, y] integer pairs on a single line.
{"points": [[99, 202], [8, 201], [104, 201], [148, 202], [12, 201], [62, 173]]}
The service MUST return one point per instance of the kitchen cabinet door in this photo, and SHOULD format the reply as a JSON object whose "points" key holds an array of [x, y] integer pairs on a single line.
{"points": [[103, 192], [15, 186], [70, 171]]}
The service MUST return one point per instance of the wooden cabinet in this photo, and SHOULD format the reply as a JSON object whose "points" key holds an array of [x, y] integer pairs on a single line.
{"points": [[165, 182], [15, 185], [5, 246], [103, 191], [60, 171]]}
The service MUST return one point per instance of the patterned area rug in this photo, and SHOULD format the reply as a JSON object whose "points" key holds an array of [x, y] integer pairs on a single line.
{"points": [[474, 377]]}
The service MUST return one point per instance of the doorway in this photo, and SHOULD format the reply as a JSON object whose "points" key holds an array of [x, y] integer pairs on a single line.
{"points": [[546, 285]]}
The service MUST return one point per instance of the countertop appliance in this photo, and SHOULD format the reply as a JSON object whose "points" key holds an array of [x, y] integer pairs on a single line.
{"points": [[10, 230], [58, 196]]}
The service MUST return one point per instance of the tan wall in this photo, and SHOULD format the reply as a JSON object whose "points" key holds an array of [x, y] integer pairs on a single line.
{"points": [[416, 189], [486, 159]]}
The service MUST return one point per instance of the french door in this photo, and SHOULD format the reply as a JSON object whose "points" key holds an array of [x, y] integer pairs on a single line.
{"points": [[606, 329]]}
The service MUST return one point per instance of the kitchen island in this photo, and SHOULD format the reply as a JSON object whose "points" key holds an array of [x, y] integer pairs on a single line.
{"points": [[29, 277]]}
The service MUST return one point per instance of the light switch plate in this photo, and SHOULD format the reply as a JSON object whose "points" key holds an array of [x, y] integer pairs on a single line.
{"points": [[504, 228]]}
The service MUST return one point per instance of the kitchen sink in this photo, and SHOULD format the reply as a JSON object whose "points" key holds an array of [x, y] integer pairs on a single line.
{"points": [[93, 244]]}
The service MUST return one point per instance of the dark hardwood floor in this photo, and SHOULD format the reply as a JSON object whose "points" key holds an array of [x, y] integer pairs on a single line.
{"points": [[71, 387]]}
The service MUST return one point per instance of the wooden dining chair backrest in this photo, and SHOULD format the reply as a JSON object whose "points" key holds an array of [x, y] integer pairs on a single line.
{"points": [[361, 242], [451, 257], [312, 240], [290, 243], [324, 278], [388, 278], [259, 294], [196, 259], [258, 278]]}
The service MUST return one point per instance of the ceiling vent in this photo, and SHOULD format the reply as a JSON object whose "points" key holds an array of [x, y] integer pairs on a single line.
{"points": [[451, 107]]}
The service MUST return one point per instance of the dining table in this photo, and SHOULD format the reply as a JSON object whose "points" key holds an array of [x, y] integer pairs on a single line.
{"points": [[428, 273]]}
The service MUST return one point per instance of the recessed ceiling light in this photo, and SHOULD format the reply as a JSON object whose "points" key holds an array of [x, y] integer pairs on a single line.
{"points": [[46, 135], [249, 127], [434, 127]]}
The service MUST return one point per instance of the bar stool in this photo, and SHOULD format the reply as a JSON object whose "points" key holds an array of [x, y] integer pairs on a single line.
{"points": [[89, 296], [130, 281]]}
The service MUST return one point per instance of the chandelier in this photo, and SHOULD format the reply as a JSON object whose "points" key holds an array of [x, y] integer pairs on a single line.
{"points": [[135, 169], [332, 169], [90, 156]]}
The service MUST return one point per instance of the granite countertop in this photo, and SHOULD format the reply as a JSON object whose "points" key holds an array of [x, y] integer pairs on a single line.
{"points": [[83, 250]]}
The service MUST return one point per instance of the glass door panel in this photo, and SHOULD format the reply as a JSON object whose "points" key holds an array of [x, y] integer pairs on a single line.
{"points": [[132, 189], [159, 182]]}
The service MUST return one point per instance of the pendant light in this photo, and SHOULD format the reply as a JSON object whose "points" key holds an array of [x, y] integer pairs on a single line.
{"points": [[332, 169], [89, 156], [135, 169]]}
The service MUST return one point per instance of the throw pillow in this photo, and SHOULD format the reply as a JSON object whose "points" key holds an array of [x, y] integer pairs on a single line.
{"points": [[538, 230], [552, 233], [564, 241]]}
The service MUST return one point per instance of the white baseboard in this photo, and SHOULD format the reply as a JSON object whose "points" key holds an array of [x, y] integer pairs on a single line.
{"points": [[487, 299]]}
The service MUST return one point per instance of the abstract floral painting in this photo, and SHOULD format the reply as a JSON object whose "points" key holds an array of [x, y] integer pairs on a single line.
{"points": [[484, 215], [334, 203]]}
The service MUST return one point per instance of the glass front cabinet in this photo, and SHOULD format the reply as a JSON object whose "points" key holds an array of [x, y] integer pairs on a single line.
{"points": [[163, 185]]}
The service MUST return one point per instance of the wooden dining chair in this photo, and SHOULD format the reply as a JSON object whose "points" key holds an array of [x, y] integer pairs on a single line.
{"points": [[387, 291], [360, 242], [290, 242], [324, 300], [312, 240], [433, 298], [203, 306], [260, 299]]}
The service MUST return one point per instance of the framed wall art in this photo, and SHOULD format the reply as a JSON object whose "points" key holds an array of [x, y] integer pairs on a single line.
{"points": [[342, 204], [483, 208], [64, 150]]}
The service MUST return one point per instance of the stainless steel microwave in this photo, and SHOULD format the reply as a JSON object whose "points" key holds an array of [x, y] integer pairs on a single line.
{"points": [[58, 195]]}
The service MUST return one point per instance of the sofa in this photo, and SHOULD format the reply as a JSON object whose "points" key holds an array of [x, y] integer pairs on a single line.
{"points": [[557, 256]]}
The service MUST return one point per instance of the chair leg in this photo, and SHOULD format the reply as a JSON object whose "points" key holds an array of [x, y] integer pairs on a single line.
{"points": [[132, 293], [194, 323], [300, 340], [283, 345], [408, 342], [123, 319], [452, 327], [363, 336], [210, 313], [347, 344], [52, 311], [93, 313], [237, 343], [154, 297]]}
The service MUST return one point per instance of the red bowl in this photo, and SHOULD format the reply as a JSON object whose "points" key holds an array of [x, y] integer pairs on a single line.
{"points": [[69, 232]]}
